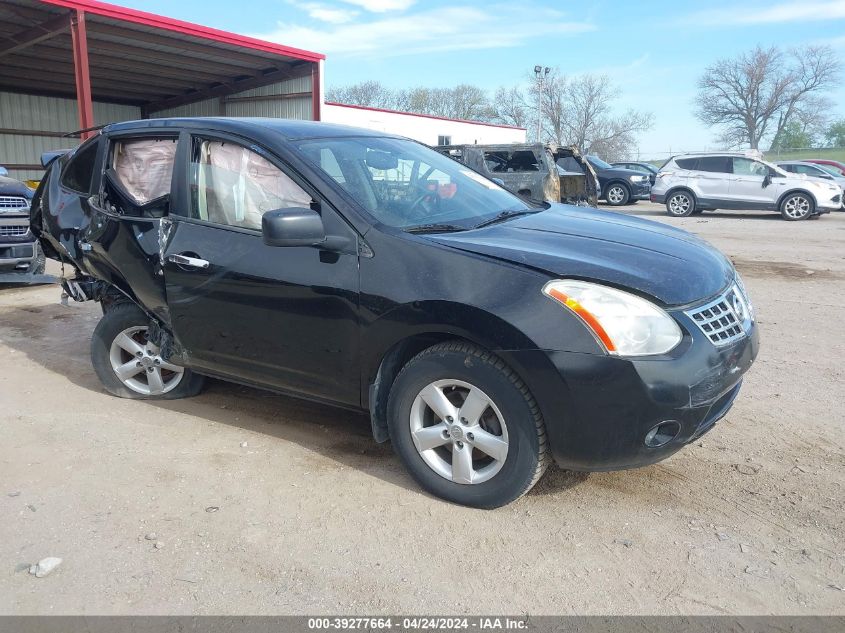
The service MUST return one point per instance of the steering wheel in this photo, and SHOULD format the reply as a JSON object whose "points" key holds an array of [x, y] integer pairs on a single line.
{"points": [[416, 210]]}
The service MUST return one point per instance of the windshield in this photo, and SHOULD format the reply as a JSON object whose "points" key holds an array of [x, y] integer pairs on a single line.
{"points": [[407, 185], [831, 170], [595, 161]]}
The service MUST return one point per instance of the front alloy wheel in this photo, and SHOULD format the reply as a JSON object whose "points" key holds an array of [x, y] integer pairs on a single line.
{"points": [[459, 431], [796, 206], [617, 195], [466, 426]]}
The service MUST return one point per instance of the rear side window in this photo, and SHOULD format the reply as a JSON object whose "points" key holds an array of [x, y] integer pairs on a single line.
{"points": [[79, 172], [144, 167], [687, 163], [720, 164]]}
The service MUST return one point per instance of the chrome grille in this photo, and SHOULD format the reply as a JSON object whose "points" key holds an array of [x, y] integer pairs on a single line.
{"points": [[13, 202], [13, 231], [724, 320]]}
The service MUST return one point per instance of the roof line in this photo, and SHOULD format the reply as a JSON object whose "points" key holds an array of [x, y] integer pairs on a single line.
{"points": [[425, 116], [186, 28]]}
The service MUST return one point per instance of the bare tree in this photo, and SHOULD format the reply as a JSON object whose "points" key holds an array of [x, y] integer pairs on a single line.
{"points": [[510, 107], [461, 102], [759, 93], [366, 93], [579, 111]]}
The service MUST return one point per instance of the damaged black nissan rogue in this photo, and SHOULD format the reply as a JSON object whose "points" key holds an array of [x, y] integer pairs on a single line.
{"points": [[484, 334]]}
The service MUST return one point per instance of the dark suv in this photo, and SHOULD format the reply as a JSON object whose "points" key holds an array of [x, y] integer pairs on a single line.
{"points": [[19, 250], [484, 334], [620, 186]]}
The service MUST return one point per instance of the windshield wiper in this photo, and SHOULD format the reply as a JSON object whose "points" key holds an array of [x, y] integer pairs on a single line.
{"points": [[505, 215], [434, 228]]}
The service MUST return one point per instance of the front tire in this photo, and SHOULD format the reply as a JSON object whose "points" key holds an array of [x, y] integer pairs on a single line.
{"points": [[617, 195], [680, 204], [129, 366], [797, 206], [466, 426]]}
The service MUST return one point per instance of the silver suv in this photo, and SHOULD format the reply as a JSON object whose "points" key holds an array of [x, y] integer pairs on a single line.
{"points": [[693, 183]]}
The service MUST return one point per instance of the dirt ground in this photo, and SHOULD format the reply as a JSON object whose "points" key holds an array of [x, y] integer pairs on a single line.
{"points": [[262, 504]]}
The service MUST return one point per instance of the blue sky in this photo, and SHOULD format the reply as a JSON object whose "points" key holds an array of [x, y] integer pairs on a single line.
{"points": [[654, 50]]}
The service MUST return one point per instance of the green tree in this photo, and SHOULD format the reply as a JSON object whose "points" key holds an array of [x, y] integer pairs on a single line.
{"points": [[793, 136], [835, 134]]}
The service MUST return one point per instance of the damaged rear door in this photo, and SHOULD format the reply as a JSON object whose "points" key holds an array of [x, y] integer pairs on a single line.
{"points": [[282, 317]]}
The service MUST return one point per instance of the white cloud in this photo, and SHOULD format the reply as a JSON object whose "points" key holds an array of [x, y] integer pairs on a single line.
{"points": [[332, 15], [381, 6], [434, 30], [769, 13]]}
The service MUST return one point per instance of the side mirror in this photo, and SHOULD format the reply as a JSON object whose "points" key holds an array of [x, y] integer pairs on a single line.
{"points": [[767, 180], [296, 226]]}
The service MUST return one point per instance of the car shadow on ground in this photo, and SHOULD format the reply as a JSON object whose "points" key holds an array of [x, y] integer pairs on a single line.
{"points": [[58, 338]]}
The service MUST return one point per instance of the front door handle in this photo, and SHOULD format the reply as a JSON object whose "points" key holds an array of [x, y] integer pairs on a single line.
{"points": [[191, 262]]}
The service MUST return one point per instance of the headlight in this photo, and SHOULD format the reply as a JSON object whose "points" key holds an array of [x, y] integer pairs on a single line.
{"points": [[746, 300], [624, 324], [636, 178]]}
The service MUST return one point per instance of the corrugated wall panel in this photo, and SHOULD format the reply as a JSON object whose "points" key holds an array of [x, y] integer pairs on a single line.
{"points": [[48, 114], [209, 107], [299, 108], [281, 109]]}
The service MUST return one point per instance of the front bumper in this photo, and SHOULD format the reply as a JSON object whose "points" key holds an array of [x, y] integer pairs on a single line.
{"points": [[659, 198], [640, 190], [599, 409]]}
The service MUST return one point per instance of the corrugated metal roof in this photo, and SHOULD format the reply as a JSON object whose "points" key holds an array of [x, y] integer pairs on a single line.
{"points": [[137, 58]]}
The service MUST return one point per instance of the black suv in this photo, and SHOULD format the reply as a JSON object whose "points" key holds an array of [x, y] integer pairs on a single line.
{"points": [[484, 334], [620, 186]]}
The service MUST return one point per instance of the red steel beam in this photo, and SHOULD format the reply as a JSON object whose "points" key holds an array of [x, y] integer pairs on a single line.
{"points": [[84, 102], [315, 91]]}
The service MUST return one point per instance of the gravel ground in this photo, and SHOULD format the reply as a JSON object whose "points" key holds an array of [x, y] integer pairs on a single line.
{"points": [[239, 501]]}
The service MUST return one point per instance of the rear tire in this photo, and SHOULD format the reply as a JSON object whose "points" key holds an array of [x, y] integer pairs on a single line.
{"points": [[485, 446], [119, 345], [680, 204], [796, 207], [617, 194]]}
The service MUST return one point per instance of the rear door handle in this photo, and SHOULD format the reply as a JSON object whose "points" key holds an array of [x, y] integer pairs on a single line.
{"points": [[191, 262]]}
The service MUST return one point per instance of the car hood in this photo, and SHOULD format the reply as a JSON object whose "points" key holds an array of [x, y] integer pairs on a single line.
{"points": [[669, 264], [12, 187]]}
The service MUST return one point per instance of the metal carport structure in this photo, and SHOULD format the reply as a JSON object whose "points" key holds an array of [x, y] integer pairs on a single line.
{"points": [[116, 63]]}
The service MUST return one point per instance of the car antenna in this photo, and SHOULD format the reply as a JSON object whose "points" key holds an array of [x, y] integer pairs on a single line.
{"points": [[87, 129]]}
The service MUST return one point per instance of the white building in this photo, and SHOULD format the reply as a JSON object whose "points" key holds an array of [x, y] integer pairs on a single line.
{"points": [[428, 129]]}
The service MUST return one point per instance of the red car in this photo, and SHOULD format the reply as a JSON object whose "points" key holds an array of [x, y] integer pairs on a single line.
{"points": [[834, 164]]}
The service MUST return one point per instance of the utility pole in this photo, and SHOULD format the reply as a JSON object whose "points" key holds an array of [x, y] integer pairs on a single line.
{"points": [[540, 73]]}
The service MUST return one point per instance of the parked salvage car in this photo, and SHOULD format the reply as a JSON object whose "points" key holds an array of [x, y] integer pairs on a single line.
{"points": [[833, 166], [19, 250], [646, 169], [695, 182], [485, 334], [548, 173], [812, 170], [620, 186]]}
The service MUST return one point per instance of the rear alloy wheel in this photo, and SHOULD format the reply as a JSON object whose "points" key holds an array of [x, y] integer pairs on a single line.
{"points": [[466, 426], [680, 204], [131, 366], [617, 195], [796, 206]]}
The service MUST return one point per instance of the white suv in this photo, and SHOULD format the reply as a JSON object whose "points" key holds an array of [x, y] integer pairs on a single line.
{"points": [[697, 182]]}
